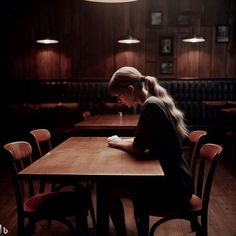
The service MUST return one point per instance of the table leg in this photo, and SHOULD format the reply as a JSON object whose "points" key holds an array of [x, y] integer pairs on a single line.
{"points": [[102, 211]]}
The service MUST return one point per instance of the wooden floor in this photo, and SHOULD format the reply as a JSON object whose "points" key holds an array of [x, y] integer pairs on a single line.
{"points": [[222, 210]]}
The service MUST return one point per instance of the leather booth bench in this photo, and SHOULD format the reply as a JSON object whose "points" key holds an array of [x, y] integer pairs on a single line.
{"points": [[92, 95]]}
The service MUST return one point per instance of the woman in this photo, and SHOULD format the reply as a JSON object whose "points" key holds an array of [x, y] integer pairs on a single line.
{"points": [[159, 135]]}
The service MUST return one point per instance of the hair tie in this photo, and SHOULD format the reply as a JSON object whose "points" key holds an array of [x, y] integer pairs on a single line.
{"points": [[142, 79]]}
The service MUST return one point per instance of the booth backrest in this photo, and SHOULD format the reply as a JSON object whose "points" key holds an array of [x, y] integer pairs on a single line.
{"points": [[91, 95]]}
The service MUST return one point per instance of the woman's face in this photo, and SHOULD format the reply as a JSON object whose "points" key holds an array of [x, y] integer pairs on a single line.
{"points": [[126, 99]]}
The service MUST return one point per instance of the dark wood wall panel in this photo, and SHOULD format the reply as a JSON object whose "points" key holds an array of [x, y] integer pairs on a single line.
{"points": [[88, 34]]}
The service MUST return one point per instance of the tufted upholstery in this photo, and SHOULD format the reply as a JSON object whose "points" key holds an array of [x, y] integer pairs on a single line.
{"points": [[91, 95]]}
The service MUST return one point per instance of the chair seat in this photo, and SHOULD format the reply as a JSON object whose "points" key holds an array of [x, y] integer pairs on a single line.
{"points": [[195, 205], [54, 203]]}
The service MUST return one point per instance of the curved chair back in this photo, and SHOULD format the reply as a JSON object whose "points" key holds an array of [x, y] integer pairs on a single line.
{"points": [[42, 138], [208, 153], [20, 156], [196, 139]]}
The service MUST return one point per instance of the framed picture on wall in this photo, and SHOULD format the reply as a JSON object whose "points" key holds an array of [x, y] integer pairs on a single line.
{"points": [[183, 20], [166, 46], [222, 33], [154, 19], [167, 67]]}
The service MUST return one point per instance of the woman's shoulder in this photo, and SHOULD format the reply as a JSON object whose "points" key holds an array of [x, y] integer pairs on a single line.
{"points": [[154, 100], [152, 104]]}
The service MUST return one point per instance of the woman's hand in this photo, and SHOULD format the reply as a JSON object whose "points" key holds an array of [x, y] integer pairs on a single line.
{"points": [[122, 143], [113, 141]]}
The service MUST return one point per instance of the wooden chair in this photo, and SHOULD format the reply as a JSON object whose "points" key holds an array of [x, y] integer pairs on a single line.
{"points": [[42, 142], [198, 205], [86, 115], [43, 136], [45, 206], [196, 139]]}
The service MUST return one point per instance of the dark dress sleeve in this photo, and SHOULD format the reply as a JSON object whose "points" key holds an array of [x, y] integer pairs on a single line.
{"points": [[156, 131]]}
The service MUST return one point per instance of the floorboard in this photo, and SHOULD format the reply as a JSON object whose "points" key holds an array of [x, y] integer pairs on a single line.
{"points": [[222, 209]]}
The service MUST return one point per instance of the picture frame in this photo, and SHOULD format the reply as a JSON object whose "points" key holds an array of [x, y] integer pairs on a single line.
{"points": [[222, 33], [166, 46], [154, 19], [167, 67], [184, 20]]}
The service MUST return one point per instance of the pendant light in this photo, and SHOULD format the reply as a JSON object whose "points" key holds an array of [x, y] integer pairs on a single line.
{"points": [[46, 31], [129, 38], [111, 1], [195, 37]]}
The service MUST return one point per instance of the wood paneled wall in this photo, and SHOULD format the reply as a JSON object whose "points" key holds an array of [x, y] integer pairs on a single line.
{"points": [[88, 34]]}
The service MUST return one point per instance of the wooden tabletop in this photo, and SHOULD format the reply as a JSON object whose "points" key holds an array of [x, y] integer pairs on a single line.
{"points": [[108, 122], [90, 157], [219, 103], [214, 103], [231, 110]]}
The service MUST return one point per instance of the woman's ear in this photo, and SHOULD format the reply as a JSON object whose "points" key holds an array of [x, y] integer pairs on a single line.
{"points": [[131, 88]]}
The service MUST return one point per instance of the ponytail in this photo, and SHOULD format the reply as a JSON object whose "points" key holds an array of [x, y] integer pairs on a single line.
{"points": [[155, 89]]}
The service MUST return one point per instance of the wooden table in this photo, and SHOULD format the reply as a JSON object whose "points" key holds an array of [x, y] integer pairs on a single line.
{"points": [[90, 158], [219, 103], [108, 125]]}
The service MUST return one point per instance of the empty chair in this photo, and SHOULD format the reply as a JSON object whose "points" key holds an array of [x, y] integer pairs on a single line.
{"points": [[45, 206], [198, 205], [196, 139], [86, 115], [42, 138], [42, 142]]}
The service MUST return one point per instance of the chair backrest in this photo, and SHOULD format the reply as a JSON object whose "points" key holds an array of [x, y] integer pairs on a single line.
{"points": [[196, 139], [19, 154], [86, 115], [209, 153], [42, 138]]}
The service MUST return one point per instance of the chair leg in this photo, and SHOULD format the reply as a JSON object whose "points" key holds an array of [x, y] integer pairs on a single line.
{"points": [[91, 210], [204, 228], [142, 223], [89, 186], [194, 224], [42, 186], [20, 226], [81, 225]]}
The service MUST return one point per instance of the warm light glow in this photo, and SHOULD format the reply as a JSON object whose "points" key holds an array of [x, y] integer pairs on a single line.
{"points": [[111, 1], [129, 40], [47, 41], [194, 39]]}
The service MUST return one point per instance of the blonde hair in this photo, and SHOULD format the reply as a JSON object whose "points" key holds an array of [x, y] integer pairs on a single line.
{"points": [[126, 76]]}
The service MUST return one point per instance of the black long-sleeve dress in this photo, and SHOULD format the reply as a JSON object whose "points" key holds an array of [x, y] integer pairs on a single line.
{"points": [[157, 133]]}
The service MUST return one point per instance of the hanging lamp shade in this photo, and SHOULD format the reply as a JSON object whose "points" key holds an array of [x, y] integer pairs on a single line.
{"points": [[195, 36], [47, 41], [111, 1], [129, 40], [193, 39]]}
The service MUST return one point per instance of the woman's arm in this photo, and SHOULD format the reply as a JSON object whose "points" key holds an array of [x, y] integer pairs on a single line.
{"points": [[122, 143]]}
